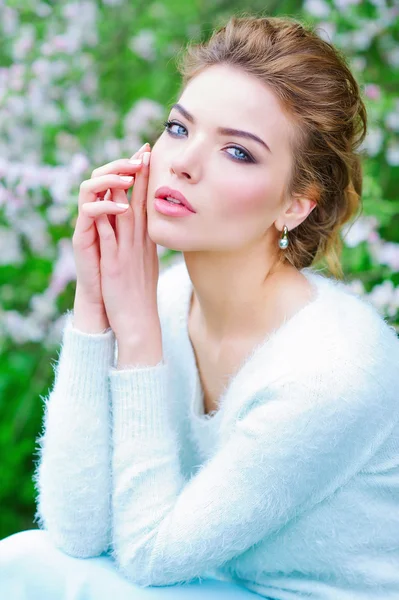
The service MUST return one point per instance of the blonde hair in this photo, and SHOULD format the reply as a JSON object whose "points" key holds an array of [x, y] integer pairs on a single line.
{"points": [[319, 94]]}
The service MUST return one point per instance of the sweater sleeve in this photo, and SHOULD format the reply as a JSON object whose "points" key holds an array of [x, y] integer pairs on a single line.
{"points": [[293, 445], [72, 475]]}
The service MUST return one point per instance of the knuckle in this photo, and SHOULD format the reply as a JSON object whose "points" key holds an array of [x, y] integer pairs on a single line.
{"points": [[84, 185], [107, 236]]}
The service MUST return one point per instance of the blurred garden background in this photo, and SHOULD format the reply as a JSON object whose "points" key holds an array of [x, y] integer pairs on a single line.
{"points": [[83, 83]]}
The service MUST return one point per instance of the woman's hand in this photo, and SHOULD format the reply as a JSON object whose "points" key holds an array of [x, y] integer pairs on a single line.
{"points": [[89, 305], [129, 264]]}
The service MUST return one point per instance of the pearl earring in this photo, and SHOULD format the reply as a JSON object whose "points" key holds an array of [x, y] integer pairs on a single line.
{"points": [[284, 241]]}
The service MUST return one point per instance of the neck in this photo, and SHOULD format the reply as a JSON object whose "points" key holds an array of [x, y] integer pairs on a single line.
{"points": [[231, 290]]}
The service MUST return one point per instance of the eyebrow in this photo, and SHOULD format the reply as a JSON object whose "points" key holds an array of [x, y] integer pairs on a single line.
{"points": [[224, 130]]}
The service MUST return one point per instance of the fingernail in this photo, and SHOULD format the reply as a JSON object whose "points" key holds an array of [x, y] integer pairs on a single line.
{"points": [[135, 161], [146, 158], [122, 205], [139, 150], [126, 178]]}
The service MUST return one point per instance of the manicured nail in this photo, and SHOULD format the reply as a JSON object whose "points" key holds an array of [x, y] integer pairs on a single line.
{"points": [[146, 158], [139, 150], [122, 205]]}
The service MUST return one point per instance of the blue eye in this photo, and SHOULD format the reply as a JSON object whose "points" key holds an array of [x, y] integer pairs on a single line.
{"points": [[168, 125]]}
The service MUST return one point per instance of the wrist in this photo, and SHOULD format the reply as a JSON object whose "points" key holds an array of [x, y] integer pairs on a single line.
{"points": [[88, 317], [140, 351]]}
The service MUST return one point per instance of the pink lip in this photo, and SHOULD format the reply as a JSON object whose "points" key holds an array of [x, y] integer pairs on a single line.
{"points": [[170, 209], [164, 191]]}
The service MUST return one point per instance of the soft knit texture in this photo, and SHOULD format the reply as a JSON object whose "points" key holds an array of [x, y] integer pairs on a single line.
{"points": [[291, 488]]}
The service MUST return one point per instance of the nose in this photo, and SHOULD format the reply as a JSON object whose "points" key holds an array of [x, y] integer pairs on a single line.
{"points": [[179, 173]]}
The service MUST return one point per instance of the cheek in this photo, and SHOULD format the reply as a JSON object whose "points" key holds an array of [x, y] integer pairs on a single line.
{"points": [[160, 162], [243, 196], [155, 167]]}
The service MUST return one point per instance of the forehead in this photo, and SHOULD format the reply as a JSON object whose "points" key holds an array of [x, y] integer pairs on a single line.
{"points": [[223, 95]]}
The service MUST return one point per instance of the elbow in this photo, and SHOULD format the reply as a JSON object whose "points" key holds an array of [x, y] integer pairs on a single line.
{"points": [[133, 569], [78, 546], [79, 531], [77, 549], [140, 571], [77, 543]]}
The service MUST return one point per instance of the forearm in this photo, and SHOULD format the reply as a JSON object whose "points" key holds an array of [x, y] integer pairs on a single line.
{"points": [[73, 472]]}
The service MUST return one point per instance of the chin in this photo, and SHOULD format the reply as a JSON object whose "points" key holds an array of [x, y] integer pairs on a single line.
{"points": [[157, 234]]}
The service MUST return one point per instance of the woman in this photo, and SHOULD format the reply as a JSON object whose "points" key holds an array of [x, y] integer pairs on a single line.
{"points": [[247, 432]]}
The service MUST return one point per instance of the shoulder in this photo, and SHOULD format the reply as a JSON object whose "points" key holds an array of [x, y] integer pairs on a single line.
{"points": [[357, 320], [343, 330]]}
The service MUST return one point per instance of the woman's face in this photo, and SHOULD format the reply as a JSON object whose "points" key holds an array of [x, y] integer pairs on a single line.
{"points": [[234, 183]]}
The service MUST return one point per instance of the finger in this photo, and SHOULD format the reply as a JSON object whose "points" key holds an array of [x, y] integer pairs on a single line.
{"points": [[121, 166], [103, 207], [86, 216], [140, 151], [108, 244], [136, 155], [120, 196], [139, 201], [124, 223], [90, 188], [111, 218]]}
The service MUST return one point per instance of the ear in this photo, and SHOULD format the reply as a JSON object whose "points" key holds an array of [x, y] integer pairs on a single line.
{"points": [[296, 211]]}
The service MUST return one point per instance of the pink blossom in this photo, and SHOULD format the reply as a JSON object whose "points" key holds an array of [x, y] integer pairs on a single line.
{"points": [[372, 91], [64, 269]]}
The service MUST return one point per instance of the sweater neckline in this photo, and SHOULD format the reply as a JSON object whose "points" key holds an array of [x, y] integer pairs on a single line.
{"points": [[317, 282]]}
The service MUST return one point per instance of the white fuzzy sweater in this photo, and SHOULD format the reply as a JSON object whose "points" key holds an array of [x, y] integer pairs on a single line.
{"points": [[291, 489]]}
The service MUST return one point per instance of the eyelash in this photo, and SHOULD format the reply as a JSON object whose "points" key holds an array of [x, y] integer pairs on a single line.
{"points": [[167, 125]]}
